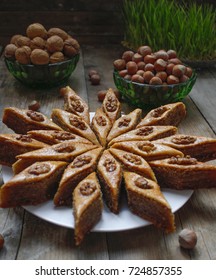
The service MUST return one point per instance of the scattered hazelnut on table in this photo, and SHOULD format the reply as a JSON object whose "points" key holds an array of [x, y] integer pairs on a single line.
{"points": [[34, 105], [92, 72], [187, 238], [1, 241], [95, 79]]}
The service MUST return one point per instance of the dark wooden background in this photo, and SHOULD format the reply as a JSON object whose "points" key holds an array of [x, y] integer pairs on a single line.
{"points": [[89, 21]]}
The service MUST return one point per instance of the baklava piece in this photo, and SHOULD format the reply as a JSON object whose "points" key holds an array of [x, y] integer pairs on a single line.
{"points": [[184, 173], [125, 123], [101, 125], [74, 124], [73, 103], [21, 121], [80, 167], [146, 200], [12, 145], [145, 133], [147, 149], [52, 137], [110, 176], [170, 114], [65, 151], [87, 206], [111, 105], [133, 163], [34, 185], [201, 148]]}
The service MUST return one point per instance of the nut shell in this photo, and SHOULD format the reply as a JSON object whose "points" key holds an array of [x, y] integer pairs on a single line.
{"points": [[39, 57], [57, 57], [57, 31], [37, 43], [187, 238], [36, 30], [9, 51], [54, 44], [71, 47], [22, 55], [23, 41]]}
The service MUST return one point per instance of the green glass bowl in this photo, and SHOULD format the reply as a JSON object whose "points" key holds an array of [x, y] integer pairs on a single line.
{"points": [[42, 76], [151, 96]]}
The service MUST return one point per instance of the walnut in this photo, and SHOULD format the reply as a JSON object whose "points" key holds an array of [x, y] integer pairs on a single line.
{"points": [[78, 123], [145, 131], [9, 51], [23, 41], [22, 55], [110, 165], [36, 30], [14, 38], [76, 104], [134, 159], [158, 112], [64, 148], [124, 122], [24, 138], [39, 168], [63, 135], [183, 139], [142, 183], [39, 57], [35, 116], [101, 121], [37, 43], [81, 160], [57, 31], [57, 57], [146, 146], [54, 44], [182, 160], [71, 47], [111, 104], [87, 188]]}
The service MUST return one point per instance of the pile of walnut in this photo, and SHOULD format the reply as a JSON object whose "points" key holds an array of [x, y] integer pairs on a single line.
{"points": [[40, 46]]}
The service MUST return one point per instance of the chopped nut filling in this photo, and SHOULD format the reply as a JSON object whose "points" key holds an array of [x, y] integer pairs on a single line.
{"points": [[87, 188], [24, 138], [78, 123], [146, 147], [144, 131], [110, 165], [65, 148], [111, 104], [134, 159], [63, 135], [182, 160], [101, 121], [184, 139], [142, 183], [158, 112], [35, 116], [125, 122], [38, 169], [76, 104], [81, 160]]}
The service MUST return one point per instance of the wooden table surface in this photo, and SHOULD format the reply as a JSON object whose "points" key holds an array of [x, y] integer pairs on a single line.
{"points": [[28, 237]]}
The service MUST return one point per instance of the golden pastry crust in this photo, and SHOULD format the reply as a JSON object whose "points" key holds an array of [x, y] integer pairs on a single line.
{"points": [[110, 175], [133, 163], [145, 133], [184, 173], [74, 124], [101, 125], [74, 104], [124, 124], [11, 145], [52, 137], [76, 171], [111, 106], [202, 148], [32, 186], [146, 200], [87, 206], [169, 114], [21, 121], [147, 149]]}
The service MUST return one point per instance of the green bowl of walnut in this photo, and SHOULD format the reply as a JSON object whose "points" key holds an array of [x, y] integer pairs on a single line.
{"points": [[42, 58]]}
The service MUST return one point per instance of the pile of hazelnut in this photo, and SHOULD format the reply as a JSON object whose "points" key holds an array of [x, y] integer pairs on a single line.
{"points": [[154, 68], [40, 46]]}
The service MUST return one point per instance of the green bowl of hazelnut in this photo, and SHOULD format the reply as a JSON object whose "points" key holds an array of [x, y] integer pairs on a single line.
{"points": [[149, 79], [42, 58]]}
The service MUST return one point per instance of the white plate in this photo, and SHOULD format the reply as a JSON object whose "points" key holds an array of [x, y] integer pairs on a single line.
{"points": [[125, 220]]}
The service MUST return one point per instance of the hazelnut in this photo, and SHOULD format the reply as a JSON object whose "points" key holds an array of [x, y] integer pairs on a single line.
{"points": [[57, 57], [22, 55], [162, 54], [144, 50], [9, 51], [14, 38], [155, 81], [119, 64], [148, 75], [54, 44], [140, 72], [101, 95], [92, 72], [23, 41], [150, 58], [37, 43], [95, 79], [175, 60], [183, 79], [162, 75], [141, 65], [137, 79], [171, 54], [39, 57], [169, 68], [123, 73], [149, 67], [131, 67], [160, 65], [189, 72], [71, 47], [171, 80], [34, 105], [57, 31], [1, 241], [137, 57], [127, 77], [36, 30], [187, 238], [179, 70], [128, 55]]}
